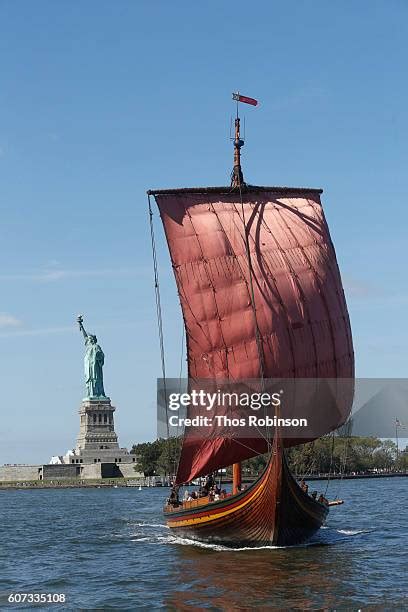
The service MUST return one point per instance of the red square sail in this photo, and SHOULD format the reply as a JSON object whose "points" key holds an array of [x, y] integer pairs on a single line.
{"points": [[301, 310]]}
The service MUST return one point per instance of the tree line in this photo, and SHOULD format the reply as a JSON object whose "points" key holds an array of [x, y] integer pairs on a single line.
{"points": [[327, 455]]}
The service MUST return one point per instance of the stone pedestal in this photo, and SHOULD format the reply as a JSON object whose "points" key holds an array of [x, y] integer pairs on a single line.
{"points": [[97, 441], [96, 426]]}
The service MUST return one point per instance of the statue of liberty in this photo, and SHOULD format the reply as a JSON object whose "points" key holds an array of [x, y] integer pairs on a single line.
{"points": [[93, 363]]}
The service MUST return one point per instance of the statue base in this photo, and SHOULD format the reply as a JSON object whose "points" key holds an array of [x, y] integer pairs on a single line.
{"points": [[97, 441]]}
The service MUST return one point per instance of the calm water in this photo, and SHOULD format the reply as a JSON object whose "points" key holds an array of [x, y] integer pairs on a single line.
{"points": [[109, 549]]}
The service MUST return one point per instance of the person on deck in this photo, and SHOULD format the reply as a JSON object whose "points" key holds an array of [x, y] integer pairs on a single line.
{"points": [[209, 483], [304, 486], [174, 498]]}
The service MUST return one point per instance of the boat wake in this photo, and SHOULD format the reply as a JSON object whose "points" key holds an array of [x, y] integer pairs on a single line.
{"points": [[155, 534], [352, 532], [218, 547], [154, 525], [329, 536]]}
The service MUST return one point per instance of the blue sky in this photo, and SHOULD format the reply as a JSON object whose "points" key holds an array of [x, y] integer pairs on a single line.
{"points": [[100, 101]]}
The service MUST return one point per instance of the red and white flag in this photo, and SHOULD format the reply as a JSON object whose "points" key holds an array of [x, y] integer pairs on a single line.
{"points": [[237, 96]]}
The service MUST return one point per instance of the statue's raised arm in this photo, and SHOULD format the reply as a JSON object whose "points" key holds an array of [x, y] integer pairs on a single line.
{"points": [[80, 320]]}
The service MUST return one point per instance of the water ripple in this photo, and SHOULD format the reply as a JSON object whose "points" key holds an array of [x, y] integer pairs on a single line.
{"points": [[110, 549]]}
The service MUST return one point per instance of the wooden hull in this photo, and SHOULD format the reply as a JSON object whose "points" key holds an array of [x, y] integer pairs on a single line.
{"points": [[272, 511]]}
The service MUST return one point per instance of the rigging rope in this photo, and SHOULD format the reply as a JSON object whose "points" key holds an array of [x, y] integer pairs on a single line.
{"points": [[311, 459], [181, 356], [331, 464], [159, 313], [343, 461], [180, 429]]}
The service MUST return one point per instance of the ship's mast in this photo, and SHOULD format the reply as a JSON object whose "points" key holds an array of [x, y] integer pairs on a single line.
{"points": [[236, 478], [237, 178], [237, 181]]}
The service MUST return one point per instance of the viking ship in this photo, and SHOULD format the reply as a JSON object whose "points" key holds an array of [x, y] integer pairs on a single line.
{"points": [[261, 298]]}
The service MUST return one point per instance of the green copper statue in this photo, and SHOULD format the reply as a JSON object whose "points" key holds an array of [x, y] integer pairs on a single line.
{"points": [[93, 362]]}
